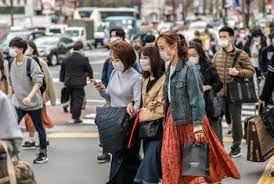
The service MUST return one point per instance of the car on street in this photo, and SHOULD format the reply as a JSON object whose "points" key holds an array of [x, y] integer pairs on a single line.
{"points": [[26, 35], [54, 48]]}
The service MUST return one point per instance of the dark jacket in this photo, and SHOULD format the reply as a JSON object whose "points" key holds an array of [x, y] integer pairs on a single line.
{"points": [[187, 100], [108, 68], [269, 83], [75, 69], [265, 57], [211, 76]]}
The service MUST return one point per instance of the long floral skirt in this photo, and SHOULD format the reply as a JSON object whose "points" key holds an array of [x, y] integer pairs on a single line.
{"points": [[175, 136]]}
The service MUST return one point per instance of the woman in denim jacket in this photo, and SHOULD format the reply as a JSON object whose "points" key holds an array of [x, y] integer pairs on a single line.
{"points": [[186, 120]]}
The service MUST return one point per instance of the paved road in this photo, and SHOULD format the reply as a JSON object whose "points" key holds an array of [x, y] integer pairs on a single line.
{"points": [[72, 159], [73, 148]]}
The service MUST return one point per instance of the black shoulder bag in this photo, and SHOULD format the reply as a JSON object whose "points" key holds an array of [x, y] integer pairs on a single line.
{"points": [[114, 128], [241, 90]]}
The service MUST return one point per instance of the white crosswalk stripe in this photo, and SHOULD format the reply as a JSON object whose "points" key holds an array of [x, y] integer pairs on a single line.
{"points": [[100, 102], [248, 110]]}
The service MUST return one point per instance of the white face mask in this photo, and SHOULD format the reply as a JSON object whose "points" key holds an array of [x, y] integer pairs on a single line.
{"points": [[223, 43], [12, 52], [28, 52], [145, 65], [242, 35], [119, 66], [165, 56], [194, 60]]}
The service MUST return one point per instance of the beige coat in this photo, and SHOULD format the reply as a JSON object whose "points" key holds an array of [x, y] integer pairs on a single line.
{"points": [[50, 93], [156, 93]]}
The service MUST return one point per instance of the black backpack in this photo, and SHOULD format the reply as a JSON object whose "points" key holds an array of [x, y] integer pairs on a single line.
{"points": [[44, 86]]}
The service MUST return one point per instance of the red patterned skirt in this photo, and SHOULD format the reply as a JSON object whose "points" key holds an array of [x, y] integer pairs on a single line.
{"points": [[175, 136]]}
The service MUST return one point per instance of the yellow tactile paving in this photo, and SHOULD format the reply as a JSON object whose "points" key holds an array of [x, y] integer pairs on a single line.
{"points": [[227, 139], [266, 178]]}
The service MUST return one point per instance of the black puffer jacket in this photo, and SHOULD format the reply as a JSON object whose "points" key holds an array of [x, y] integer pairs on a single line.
{"points": [[210, 76]]}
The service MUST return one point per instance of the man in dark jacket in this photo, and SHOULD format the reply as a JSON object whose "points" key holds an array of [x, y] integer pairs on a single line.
{"points": [[74, 72], [267, 54], [268, 88]]}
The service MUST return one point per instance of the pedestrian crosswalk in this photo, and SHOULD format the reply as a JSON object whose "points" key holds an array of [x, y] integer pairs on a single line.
{"points": [[247, 111]]}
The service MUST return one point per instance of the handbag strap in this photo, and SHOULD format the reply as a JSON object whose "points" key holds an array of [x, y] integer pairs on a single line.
{"points": [[137, 120], [11, 170], [236, 57]]}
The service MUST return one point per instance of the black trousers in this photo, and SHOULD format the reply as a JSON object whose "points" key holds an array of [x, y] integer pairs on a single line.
{"points": [[124, 165], [36, 116], [76, 101], [235, 115]]}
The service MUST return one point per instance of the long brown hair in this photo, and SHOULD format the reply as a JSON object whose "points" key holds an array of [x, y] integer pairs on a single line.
{"points": [[34, 47], [171, 38], [156, 63]]}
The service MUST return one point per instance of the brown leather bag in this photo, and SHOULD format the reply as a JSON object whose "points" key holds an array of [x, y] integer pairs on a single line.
{"points": [[260, 145], [13, 172]]}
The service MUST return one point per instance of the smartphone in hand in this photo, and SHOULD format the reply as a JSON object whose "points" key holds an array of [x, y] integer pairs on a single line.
{"points": [[94, 81]]}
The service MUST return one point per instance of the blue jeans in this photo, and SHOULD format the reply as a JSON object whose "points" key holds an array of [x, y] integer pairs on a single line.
{"points": [[150, 170]]}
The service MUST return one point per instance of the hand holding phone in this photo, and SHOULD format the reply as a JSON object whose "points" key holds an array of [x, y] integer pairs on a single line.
{"points": [[94, 81]]}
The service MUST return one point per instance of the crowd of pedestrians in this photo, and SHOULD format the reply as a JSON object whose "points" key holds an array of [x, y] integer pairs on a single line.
{"points": [[175, 92]]}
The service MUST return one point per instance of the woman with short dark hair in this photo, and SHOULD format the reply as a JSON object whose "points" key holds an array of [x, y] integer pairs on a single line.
{"points": [[124, 88]]}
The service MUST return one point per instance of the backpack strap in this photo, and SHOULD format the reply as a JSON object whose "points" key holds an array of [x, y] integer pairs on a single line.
{"points": [[28, 67], [10, 63], [236, 57]]}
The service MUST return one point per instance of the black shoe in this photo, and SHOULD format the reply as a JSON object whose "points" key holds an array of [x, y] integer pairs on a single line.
{"points": [[42, 158], [28, 145], [228, 132], [77, 121], [65, 108], [103, 158], [234, 153], [272, 173], [38, 145]]}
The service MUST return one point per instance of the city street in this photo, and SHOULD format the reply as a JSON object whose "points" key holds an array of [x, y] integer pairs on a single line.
{"points": [[73, 148]]}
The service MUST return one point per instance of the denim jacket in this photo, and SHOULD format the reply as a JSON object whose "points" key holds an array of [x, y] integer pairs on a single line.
{"points": [[187, 100]]}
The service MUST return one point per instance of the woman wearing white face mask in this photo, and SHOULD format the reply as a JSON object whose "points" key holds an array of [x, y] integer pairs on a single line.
{"points": [[151, 115], [124, 88], [211, 83], [186, 120]]}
